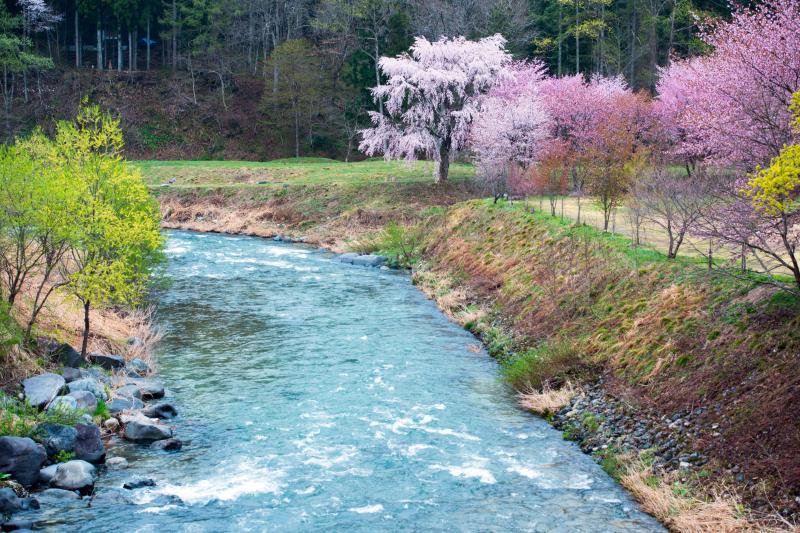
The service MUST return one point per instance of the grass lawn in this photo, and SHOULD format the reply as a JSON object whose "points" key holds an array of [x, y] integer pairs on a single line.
{"points": [[299, 171]]}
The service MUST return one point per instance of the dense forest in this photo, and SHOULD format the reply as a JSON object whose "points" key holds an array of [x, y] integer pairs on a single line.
{"points": [[304, 67]]}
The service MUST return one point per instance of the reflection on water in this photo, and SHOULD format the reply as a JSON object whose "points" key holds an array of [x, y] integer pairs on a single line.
{"points": [[323, 396]]}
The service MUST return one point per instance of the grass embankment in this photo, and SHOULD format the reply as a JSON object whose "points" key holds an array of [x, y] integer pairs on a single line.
{"points": [[555, 303], [327, 202]]}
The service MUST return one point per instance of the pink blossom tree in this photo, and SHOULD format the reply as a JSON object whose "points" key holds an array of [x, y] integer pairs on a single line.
{"points": [[431, 98], [731, 107], [512, 127]]}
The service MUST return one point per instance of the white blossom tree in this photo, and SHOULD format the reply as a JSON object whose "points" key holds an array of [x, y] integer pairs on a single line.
{"points": [[431, 97]]}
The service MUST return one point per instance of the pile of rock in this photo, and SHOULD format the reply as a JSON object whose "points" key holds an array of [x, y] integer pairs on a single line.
{"points": [[65, 457]]}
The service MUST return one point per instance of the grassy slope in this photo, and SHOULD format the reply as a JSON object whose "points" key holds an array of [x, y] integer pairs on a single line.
{"points": [[669, 335]]}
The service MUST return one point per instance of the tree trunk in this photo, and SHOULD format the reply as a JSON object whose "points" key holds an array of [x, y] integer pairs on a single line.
{"points": [[119, 49], [378, 75], [99, 46], [85, 343], [77, 41], [296, 133], [130, 51], [444, 161], [148, 42], [174, 35], [577, 40]]}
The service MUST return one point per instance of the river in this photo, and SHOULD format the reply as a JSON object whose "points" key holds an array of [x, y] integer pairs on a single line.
{"points": [[318, 396]]}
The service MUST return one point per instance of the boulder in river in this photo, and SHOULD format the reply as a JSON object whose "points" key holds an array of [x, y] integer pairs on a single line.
{"points": [[56, 437], [138, 483], [56, 495], [42, 389], [107, 361], [20, 525], [117, 463], [167, 445], [9, 501], [367, 260], [139, 366], [74, 475], [119, 405], [22, 458], [47, 473], [88, 445], [161, 410], [84, 399], [150, 388], [90, 385], [139, 428]]}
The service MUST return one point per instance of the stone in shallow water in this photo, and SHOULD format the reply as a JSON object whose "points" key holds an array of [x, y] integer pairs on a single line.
{"points": [[22, 458], [138, 483], [53, 495], [139, 428], [167, 445], [74, 475], [161, 410], [150, 388], [119, 405], [117, 463], [139, 366], [42, 389]]}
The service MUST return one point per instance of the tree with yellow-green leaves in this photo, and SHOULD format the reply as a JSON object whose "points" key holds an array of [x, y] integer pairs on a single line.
{"points": [[116, 241], [763, 215]]}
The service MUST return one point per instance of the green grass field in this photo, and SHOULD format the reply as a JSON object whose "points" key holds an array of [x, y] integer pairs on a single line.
{"points": [[300, 171]]}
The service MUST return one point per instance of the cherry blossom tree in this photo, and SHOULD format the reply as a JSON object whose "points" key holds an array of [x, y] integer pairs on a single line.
{"points": [[731, 107], [431, 98], [512, 127]]}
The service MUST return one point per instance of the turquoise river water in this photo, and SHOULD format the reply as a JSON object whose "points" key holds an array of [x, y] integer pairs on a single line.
{"points": [[319, 396]]}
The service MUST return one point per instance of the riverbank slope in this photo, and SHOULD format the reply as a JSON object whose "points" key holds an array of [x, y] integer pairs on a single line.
{"points": [[688, 373]]}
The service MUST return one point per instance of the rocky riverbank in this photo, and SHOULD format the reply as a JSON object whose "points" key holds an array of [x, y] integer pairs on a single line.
{"points": [[57, 430]]}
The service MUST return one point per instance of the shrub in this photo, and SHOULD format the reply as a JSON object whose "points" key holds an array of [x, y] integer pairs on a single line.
{"points": [[19, 419], [401, 244], [549, 365]]}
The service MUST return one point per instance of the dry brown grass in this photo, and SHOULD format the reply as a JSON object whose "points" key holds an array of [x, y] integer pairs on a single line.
{"points": [[685, 514], [547, 401]]}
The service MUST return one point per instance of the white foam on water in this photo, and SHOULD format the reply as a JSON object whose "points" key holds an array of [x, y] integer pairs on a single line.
{"points": [[246, 479], [367, 509], [475, 470], [248, 423], [412, 450], [157, 510], [308, 490], [260, 437]]}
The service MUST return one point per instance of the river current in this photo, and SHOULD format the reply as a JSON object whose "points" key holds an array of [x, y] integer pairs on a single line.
{"points": [[319, 396]]}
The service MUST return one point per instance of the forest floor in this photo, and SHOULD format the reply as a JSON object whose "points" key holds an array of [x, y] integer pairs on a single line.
{"points": [[709, 357]]}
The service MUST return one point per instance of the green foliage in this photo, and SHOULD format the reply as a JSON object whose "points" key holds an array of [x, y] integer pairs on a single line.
{"points": [[10, 333], [611, 463], [63, 456], [101, 411], [401, 244], [19, 419], [550, 363]]}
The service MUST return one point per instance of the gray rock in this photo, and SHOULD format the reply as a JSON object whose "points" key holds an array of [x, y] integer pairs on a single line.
{"points": [[74, 475], [57, 494], [370, 260], [84, 399], [70, 374], [9, 501], [150, 388], [42, 389], [161, 410], [347, 258], [89, 446], [112, 497], [117, 463], [109, 362], [22, 458], [138, 483], [96, 373], [63, 404], [167, 445], [131, 373], [56, 437], [129, 391], [89, 385], [139, 428], [119, 405], [112, 424], [68, 356], [47, 473], [139, 366]]}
